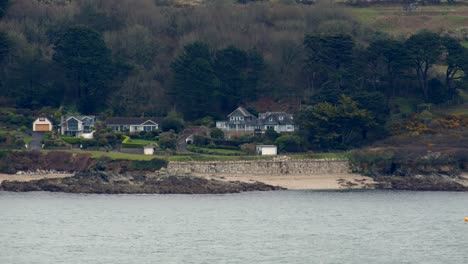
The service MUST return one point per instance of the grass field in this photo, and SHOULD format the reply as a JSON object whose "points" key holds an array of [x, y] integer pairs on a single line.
{"points": [[128, 156], [397, 22], [185, 158], [327, 155], [212, 151], [142, 141]]}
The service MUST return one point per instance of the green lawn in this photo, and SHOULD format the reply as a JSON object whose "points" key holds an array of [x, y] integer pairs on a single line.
{"points": [[210, 151], [27, 139], [325, 155], [200, 157], [143, 141], [128, 156]]}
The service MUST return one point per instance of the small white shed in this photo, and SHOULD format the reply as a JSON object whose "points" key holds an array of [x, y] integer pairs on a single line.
{"points": [[267, 150], [148, 150], [42, 124]]}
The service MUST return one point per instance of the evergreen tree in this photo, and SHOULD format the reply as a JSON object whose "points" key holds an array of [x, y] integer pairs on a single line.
{"points": [[5, 46], [239, 72], [3, 7], [83, 54], [424, 50], [195, 90]]}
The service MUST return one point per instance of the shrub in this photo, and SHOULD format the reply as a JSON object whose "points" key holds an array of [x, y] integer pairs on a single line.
{"points": [[172, 122], [209, 151], [127, 143], [167, 140], [289, 143], [71, 140], [148, 165], [249, 149], [217, 133]]}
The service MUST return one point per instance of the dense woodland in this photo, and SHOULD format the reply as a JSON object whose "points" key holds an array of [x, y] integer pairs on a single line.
{"points": [[132, 57]]}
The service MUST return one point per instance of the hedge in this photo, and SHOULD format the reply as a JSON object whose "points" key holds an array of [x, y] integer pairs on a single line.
{"points": [[127, 143]]}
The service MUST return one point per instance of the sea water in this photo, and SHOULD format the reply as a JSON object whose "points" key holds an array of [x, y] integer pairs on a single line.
{"points": [[257, 227]]}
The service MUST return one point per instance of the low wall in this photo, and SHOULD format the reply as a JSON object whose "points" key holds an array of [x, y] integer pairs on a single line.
{"points": [[261, 167]]}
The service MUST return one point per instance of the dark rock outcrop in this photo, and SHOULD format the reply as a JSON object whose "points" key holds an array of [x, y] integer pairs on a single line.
{"points": [[420, 183], [112, 183]]}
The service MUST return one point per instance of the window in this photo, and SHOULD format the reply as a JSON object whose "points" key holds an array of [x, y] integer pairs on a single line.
{"points": [[72, 124], [270, 127], [149, 128], [271, 119], [281, 118], [41, 119], [241, 126], [232, 126]]}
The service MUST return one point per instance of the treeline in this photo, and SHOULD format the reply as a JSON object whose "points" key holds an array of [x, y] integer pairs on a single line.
{"points": [[140, 40], [127, 57]]}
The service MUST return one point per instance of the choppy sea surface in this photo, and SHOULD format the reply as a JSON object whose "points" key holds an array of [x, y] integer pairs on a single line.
{"points": [[258, 227]]}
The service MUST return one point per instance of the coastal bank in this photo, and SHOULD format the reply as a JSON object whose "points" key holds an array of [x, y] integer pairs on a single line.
{"points": [[296, 174], [79, 173]]}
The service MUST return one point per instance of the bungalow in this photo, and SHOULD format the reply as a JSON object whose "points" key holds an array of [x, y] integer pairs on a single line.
{"points": [[133, 124], [240, 120], [42, 124], [78, 126]]}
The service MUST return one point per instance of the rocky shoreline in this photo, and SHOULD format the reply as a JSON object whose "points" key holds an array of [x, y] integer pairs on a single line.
{"points": [[433, 182], [135, 183]]}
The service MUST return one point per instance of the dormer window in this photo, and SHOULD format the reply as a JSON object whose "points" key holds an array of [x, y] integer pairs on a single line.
{"points": [[271, 119], [281, 118]]}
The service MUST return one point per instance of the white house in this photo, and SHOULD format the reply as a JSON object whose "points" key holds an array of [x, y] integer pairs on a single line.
{"points": [[42, 124], [267, 150], [240, 120], [78, 126], [133, 124]]}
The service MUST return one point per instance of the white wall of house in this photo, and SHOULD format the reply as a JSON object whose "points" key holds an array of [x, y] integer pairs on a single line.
{"points": [[267, 150], [221, 124], [138, 128]]}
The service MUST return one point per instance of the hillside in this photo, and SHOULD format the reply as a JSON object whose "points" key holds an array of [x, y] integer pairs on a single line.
{"points": [[352, 73]]}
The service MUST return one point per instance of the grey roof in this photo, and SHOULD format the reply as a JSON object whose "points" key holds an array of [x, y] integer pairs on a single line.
{"points": [[280, 118], [83, 119], [131, 120], [241, 110]]}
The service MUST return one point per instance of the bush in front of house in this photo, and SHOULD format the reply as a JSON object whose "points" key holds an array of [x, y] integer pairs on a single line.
{"points": [[289, 143], [167, 140], [174, 122], [216, 133], [127, 143], [209, 151], [71, 140]]}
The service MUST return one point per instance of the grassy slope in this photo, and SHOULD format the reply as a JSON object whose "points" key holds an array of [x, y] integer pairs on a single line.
{"points": [[128, 156], [395, 21], [398, 23]]}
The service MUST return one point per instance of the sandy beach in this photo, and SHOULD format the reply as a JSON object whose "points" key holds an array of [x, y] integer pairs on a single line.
{"points": [[29, 177], [304, 182]]}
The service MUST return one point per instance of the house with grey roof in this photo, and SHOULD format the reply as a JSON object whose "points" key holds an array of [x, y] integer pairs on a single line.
{"points": [[241, 120], [133, 124], [78, 126], [278, 121]]}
